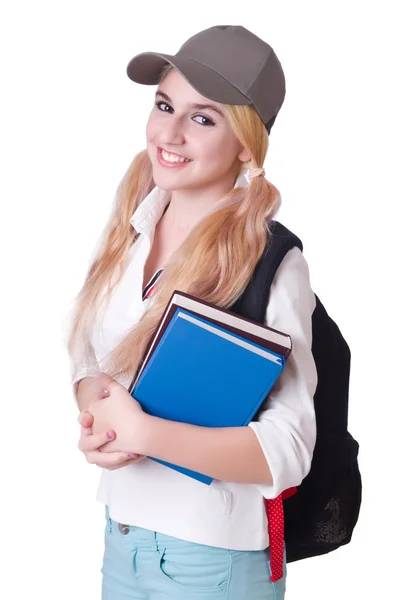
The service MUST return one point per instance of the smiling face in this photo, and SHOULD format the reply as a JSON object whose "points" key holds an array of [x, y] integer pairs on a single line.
{"points": [[179, 129]]}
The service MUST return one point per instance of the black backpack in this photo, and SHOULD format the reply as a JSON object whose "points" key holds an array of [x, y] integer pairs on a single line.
{"points": [[321, 516]]}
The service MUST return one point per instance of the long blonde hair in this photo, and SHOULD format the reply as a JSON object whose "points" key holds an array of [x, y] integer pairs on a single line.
{"points": [[230, 239]]}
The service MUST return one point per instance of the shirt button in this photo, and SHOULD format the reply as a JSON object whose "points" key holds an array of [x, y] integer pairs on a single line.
{"points": [[124, 529]]}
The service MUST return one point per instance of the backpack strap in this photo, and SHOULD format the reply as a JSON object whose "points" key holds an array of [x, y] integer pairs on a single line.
{"points": [[252, 304], [254, 300]]}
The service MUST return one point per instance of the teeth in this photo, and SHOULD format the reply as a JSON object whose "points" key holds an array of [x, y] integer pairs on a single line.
{"points": [[173, 158]]}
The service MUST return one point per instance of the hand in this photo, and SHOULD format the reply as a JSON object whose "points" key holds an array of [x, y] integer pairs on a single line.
{"points": [[90, 444], [117, 410]]}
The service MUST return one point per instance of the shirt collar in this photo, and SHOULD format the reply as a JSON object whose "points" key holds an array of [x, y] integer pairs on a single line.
{"points": [[150, 210]]}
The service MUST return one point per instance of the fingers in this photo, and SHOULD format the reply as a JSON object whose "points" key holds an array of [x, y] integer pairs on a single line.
{"points": [[89, 441], [85, 418], [138, 458], [98, 460], [108, 460], [90, 444], [127, 462]]}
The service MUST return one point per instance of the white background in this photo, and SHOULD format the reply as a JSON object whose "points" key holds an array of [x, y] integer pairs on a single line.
{"points": [[71, 122]]}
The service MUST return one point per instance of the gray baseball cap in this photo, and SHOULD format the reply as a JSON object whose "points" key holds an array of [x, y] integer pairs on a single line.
{"points": [[225, 63]]}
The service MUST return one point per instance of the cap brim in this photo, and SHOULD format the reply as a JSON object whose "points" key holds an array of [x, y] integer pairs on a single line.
{"points": [[146, 68]]}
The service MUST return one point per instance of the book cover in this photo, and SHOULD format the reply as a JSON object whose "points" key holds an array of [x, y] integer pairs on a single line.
{"points": [[204, 374], [268, 337]]}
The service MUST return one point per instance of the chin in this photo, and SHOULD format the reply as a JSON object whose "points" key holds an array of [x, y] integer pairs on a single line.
{"points": [[164, 183], [169, 181]]}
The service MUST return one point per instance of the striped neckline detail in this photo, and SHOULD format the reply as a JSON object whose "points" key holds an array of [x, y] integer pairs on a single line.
{"points": [[151, 284]]}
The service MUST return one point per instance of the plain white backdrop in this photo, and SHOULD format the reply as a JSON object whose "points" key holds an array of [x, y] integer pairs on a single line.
{"points": [[71, 122]]}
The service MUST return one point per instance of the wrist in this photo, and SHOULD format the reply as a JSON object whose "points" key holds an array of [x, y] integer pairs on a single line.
{"points": [[146, 428]]}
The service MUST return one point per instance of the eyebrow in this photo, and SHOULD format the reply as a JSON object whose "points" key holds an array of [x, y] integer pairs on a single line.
{"points": [[195, 106]]}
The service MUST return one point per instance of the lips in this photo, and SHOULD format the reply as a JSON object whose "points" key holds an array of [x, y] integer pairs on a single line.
{"points": [[174, 154], [168, 164]]}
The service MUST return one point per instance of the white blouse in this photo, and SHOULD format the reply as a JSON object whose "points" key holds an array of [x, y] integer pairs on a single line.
{"points": [[225, 514]]}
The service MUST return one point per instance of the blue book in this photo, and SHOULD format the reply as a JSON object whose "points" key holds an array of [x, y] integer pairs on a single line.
{"points": [[206, 374]]}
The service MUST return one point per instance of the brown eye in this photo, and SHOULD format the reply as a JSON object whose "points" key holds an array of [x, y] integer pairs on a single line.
{"points": [[159, 103], [208, 121]]}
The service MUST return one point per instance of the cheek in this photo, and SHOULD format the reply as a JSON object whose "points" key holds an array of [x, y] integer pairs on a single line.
{"points": [[219, 152], [152, 127], [151, 137], [149, 131]]}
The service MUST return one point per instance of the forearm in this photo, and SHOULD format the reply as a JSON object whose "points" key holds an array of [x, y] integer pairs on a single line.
{"points": [[84, 398], [224, 453]]}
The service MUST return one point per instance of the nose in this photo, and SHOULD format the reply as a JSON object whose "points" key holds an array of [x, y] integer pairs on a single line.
{"points": [[172, 133]]}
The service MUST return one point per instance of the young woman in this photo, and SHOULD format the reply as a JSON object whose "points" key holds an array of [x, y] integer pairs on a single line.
{"points": [[186, 217]]}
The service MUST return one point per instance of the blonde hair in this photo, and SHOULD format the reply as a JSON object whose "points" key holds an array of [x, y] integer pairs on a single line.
{"points": [[231, 239]]}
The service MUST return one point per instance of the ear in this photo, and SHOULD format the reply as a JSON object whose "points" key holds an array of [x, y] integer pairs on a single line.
{"points": [[244, 156]]}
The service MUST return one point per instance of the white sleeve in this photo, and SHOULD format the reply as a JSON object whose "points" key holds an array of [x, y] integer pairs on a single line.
{"points": [[286, 429], [82, 362], [85, 365]]}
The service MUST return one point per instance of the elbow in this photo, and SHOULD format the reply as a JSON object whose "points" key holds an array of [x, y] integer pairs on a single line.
{"points": [[287, 456], [300, 454]]}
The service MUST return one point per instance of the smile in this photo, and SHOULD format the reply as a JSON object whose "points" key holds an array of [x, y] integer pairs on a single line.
{"points": [[167, 159]]}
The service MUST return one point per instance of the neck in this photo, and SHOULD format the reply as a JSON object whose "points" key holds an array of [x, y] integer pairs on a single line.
{"points": [[188, 206]]}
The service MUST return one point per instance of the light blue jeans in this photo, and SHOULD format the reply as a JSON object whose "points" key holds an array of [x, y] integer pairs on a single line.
{"points": [[140, 564]]}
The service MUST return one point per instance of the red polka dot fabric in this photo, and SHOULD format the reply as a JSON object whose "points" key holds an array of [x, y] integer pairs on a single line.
{"points": [[275, 517]]}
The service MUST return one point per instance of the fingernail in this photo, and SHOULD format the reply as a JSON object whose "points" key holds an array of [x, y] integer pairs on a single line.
{"points": [[130, 455], [110, 435]]}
